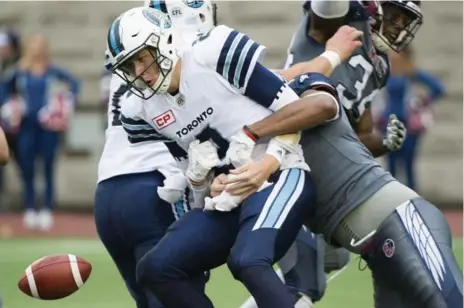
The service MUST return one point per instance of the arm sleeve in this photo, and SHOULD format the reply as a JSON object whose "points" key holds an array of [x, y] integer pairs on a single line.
{"points": [[138, 131], [237, 61]]}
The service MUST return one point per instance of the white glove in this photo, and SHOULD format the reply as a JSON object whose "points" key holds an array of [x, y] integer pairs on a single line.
{"points": [[173, 188], [202, 157], [396, 134], [226, 202], [240, 149]]}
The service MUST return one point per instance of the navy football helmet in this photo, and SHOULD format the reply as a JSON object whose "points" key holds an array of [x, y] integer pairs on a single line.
{"points": [[394, 23]]}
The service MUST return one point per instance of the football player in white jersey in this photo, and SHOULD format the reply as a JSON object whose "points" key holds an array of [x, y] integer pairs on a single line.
{"points": [[141, 190], [207, 95]]}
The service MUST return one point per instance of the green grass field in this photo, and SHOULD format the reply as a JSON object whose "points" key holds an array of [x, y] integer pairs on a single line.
{"points": [[105, 289]]}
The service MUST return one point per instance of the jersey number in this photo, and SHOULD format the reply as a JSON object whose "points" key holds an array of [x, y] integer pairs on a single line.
{"points": [[350, 102], [115, 104]]}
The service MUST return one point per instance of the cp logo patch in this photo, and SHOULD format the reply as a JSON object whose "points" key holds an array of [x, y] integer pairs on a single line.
{"points": [[164, 119]]}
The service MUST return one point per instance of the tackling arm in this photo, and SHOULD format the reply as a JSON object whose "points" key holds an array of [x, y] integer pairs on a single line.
{"points": [[316, 106], [337, 49], [268, 90], [318, 65]]}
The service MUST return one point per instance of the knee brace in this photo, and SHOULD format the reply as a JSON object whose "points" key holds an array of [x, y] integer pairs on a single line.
{"points": [[411, 252]]}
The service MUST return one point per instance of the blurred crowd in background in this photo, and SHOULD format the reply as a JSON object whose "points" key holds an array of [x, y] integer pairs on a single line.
{"points": [[37, 99]]}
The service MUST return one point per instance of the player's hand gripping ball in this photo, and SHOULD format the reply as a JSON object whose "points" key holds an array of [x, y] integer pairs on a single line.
{"points": [[55, 276]]}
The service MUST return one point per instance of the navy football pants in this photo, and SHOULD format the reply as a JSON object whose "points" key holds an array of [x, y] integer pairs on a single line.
{"points": [[257, 233], [130, 220], [34, 142]]}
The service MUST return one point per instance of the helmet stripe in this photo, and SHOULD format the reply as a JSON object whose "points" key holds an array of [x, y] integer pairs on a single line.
{"points": [[159, 5], [114, 39], [163, 6]]}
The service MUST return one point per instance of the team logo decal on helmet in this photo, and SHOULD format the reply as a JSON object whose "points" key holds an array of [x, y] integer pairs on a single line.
{"points": [[195, 4], [157, 18]]}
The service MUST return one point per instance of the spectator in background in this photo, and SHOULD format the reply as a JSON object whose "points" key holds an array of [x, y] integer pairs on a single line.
{"points": [[48, 92], [9, 55], [409, 94]]}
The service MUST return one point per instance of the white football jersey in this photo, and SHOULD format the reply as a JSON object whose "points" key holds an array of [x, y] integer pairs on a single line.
{"points": [[222, 88], [119, 155]]}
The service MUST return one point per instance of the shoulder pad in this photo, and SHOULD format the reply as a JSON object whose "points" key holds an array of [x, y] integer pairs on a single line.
{"points": [[312, 81], [232, 54], [207, 47]]}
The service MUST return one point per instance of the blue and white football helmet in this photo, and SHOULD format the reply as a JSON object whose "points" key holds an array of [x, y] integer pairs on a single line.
{"points": [[135, 30], [190, 18]]}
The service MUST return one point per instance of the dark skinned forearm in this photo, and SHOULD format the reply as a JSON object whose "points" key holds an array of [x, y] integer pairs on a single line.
{"points": [[368, 136], [297, 116], [374, 143]]}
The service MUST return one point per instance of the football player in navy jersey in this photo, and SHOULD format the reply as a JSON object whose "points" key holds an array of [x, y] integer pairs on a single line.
{"points": [[385, 24], [404, 239]]}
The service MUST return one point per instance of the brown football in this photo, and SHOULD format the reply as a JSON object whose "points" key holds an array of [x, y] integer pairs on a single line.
{"points": [[54, 276]]}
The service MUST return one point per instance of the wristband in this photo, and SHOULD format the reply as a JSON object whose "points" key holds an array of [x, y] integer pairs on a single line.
{"points": [[333, 57], [275, 150], [251, 134]]}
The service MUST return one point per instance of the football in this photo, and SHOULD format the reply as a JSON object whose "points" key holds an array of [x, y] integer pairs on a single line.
{"points": [[55, 276]]}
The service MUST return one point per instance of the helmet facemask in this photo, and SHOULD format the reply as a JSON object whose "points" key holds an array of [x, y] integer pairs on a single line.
{"points": [[146, 69], [395, 23]]}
